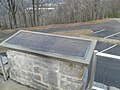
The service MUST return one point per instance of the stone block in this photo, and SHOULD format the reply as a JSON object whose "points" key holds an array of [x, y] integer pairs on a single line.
{"points": [[42, 88], [54, 88], [71, 69], [36, 70], [36, 86], [45, 73], [30, 75], [70, 86], [50, 77], [37, 77], [74, 80], [24, 81], [62, 77], [47, 65], [39, 84], [14, 74], [24, 74]]}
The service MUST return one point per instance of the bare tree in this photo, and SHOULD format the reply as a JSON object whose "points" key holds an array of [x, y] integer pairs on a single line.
{"points": [[12, 10], [27, 13], [34, 21], [11, 6]]}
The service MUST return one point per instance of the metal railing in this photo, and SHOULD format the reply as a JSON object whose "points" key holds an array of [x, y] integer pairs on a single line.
{"points": [[93, 69], [2, 62]]}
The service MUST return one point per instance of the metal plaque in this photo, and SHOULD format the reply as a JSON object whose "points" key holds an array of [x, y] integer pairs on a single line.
{"points": [[50, 44]]}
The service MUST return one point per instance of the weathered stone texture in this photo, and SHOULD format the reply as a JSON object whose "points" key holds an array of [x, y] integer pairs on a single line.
{"points": [[51, 77], [73, 80], [71, 69], [70, 86], [46, 73]]}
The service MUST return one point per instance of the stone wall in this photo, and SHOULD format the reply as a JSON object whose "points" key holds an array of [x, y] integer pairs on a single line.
{"points": [[46, 73]]}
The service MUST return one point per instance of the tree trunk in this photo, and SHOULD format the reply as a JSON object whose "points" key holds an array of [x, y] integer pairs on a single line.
{"points": [[10, 21], [34, 21]]}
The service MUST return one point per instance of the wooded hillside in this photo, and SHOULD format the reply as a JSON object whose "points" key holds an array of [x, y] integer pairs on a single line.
{"points": [[27, 13]]}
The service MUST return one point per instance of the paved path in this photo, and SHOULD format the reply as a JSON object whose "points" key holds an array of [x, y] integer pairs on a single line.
{"points": [[11, 85]]}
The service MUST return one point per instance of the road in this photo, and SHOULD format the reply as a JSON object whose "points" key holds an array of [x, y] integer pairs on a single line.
{"points": [[108, 70]]}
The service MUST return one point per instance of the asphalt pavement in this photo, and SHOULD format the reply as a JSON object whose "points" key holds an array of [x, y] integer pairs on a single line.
{"points": [[108, 70]]}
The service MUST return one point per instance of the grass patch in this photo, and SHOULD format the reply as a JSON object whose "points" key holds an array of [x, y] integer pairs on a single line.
{"points": [[6, 31], [101, 21], [1, 40], [61, 25], [2, 49], [76, 33], [111, 41]]}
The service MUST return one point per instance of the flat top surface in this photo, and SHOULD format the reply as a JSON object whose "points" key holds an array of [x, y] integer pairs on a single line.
{"points": [[53, 44]]}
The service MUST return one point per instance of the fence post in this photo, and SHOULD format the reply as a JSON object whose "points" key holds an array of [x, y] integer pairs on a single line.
{"points": [[93, 69], [2, 68]]}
